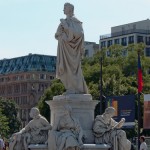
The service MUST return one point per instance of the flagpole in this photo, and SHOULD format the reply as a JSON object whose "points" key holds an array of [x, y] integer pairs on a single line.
{"points": [[139, 121], [140, 87]]}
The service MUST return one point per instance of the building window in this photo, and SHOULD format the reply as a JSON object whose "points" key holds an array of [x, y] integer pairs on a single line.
{"points": [[117, 41], [9, 89], [2, 90], [51, 77], [109, 43], [27, 76], [131, 39], [147, 40], [124, 41], [14, 78], [7, 79], [23, 100], [103, 44], [42, 76], [24, 88], [139, 39], [147, 51], [86, 53], [17, 100], [21, 77], [16, 88], [1, 79], [33, 76]]}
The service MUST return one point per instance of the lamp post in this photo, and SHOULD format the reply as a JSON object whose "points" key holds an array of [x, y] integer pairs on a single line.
{"points": [[101, 90]]}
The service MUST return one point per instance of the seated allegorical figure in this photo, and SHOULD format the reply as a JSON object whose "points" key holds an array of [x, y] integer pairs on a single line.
{"points": [[105, 129], [66, 134], [35, 132]]}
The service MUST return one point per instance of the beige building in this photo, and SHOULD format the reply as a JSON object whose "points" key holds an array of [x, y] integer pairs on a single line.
{"points": [[135, 32], [24, 79], [90, 48]]}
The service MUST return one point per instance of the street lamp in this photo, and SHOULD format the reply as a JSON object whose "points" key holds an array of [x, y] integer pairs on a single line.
{"points": [[101, 91]]}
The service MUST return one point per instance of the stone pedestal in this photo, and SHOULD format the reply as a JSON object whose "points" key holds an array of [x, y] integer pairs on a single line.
{"points": [[84, 147], [83, 108], [96, 147], [37, 147]]}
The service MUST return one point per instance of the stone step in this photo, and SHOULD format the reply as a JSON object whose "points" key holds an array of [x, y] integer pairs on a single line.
{"points": [[38, 147], [85, 147], [96, 147]]}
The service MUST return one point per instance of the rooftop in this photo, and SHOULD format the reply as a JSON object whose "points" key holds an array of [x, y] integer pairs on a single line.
{"points": [[140, 27], [31, 62]]}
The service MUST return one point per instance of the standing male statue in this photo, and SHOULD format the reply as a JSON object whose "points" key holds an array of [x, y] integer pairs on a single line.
{"points": [[70, 38]]}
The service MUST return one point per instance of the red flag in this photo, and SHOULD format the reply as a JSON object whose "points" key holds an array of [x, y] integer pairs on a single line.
{"points": [[140, 80]]}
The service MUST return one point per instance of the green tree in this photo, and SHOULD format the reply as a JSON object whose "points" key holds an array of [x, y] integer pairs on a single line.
{"points": [[4, 128], [9, 112], [56, 88], [119, 75]]}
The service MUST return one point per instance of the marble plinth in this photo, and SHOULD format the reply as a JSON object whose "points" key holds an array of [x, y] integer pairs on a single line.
{"points": [[83, 109], [38, 147], [85, 147]]}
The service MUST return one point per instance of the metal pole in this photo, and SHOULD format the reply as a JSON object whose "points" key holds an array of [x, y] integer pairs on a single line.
{"points": [[101, 90], [139, 121]]}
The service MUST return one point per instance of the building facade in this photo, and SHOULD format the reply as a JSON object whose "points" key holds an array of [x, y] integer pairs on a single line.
{"points": [[24, 80], [127, 34], [90, 48]]}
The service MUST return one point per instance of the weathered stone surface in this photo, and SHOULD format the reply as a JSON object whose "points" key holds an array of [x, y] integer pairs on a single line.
{"points": [[96, 147], [70, 50], [107, 130], [35, 132], [77, 97], [85, 147], [82, 109], [38, 147], [66, 133]]}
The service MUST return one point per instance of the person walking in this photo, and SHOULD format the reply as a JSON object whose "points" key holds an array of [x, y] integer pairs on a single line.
{"points": [[1, 143], [143, 145]]}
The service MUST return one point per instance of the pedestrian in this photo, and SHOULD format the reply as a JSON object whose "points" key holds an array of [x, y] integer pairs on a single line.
{"points": [[143, 145], [1, 143]]}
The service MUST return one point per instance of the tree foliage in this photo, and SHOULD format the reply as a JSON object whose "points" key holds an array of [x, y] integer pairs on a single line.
{"points": [[56, 88], [119, 75], [9, 120], [4, 128]]}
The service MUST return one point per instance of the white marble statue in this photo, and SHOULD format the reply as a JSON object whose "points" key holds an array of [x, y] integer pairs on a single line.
{"points": [[105, 129], [35, 132], [70, 49], [66, 134]]}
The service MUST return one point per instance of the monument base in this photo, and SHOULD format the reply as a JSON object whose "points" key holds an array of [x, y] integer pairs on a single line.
{"points": [[82, 108], [85, 147]]}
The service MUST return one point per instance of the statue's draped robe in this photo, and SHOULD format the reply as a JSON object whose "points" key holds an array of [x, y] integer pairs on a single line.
{"points": [[33, 126], [103, 136], [65, 135], [69, 51], [31, 134]]}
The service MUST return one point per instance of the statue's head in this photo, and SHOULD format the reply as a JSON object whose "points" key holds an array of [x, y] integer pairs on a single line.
{"points": [[109, 111], [68, 9], [34, 112]]}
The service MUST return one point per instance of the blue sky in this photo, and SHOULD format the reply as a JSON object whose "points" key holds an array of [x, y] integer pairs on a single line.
{"points": [[28, 26]]}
